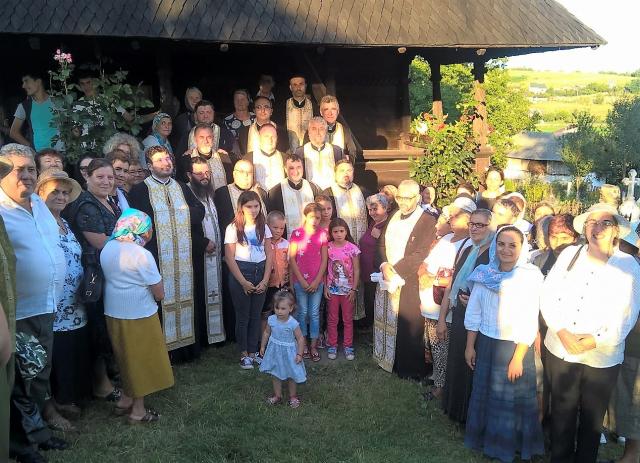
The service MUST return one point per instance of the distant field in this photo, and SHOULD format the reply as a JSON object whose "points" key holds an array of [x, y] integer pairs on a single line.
{"points": [[555, 79], [556, 111]]}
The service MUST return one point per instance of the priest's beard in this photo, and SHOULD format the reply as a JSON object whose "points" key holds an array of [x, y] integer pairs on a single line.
{"points": [[202, 191]]}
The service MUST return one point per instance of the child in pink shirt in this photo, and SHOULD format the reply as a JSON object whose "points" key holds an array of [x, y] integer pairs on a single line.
{"points": [[307, 264], [343, 276]]}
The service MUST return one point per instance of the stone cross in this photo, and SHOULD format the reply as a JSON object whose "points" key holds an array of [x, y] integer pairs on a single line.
{"points": [[629, 208]]}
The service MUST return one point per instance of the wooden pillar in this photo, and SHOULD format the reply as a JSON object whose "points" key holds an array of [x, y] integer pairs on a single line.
{"points": [[403, 109], [436, 77], [480, 123], [163, 64]]}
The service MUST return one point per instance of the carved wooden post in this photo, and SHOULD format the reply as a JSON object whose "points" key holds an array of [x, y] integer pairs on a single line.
{"points": [[480, 124], [403, 109], [436, 78]]}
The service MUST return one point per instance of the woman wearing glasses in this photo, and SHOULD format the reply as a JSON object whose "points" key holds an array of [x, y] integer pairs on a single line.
{"points": [[590, 302]]}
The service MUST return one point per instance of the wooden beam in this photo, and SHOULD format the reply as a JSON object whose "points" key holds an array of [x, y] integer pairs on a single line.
{"points": [[480, 122], [436, 78]]}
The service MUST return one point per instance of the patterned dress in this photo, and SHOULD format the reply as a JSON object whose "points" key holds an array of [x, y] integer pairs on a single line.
{"points": [[70, 312]]}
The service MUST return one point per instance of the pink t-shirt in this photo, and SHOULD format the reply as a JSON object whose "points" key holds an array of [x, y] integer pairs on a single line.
{"points": [[308, 256], [340, 267]]}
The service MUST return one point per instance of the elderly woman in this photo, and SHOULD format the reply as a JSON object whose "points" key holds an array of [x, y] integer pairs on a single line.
{"points": [[459, 377], [501, 323], [126, 143], [137, 174], [133, 288], [435, 274], [92, 219], [161, 128], [241, 116], [590, 303], [70, 359], [378, 206]]}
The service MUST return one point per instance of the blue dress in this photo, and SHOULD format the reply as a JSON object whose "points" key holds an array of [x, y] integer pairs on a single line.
{"points": [[280, 356]]}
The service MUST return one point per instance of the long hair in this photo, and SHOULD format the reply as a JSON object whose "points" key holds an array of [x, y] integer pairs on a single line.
{"points": [[239, 222], [338, 222]]}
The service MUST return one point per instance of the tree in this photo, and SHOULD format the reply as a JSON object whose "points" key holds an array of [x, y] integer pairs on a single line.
{"points": [[623, 130], [580, 148]]}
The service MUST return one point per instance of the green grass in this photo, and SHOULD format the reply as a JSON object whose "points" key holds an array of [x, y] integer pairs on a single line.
{"points": [[351, 412]]}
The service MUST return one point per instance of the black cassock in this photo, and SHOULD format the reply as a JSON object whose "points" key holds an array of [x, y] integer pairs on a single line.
{"points": [[139, 199]]}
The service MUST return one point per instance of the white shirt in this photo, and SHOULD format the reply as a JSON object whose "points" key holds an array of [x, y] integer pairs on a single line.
{"points": [[129, 270], [511, 314], [252, 250], [442, 255], [600, 300], [40, 262]]}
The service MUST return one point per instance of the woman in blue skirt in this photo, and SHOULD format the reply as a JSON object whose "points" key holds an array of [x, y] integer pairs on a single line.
{"points": [[502, 322]]}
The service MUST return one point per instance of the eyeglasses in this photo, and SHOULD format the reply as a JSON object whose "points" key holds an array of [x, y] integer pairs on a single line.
{"points": [[405, 198], [478, 225], [601, 223]]}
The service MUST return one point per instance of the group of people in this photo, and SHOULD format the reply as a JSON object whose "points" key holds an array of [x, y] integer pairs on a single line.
{"points": [[255, 232]]}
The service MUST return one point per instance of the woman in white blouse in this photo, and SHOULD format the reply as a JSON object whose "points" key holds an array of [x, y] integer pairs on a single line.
{"points": [[590, 303], [502, 322]]}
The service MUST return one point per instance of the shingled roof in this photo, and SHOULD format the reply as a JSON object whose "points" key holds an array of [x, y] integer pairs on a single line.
{"points": [[353, 23]]}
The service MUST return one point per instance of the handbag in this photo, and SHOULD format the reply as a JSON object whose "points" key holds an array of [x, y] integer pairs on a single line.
{"points": [[93, 278], [442, 280]]}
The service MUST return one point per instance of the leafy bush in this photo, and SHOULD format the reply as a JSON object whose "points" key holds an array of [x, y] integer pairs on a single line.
{"points": [[448, 155]]}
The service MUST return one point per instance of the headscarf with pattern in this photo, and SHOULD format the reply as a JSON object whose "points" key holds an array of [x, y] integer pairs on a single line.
{"points": [[134, 226]]}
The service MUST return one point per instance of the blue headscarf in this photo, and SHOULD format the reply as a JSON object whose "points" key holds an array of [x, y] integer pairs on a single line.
{"points": [[134, 226], [490, 274], [154, 126]]}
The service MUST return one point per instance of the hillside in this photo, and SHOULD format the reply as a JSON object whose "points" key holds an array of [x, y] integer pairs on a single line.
{"points": [[557, 95]]}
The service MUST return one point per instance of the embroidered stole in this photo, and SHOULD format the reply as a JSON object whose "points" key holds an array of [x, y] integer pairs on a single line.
{"points": [[336, 138], [294, 202], [253, 139], [216, 137], [172, 225], [269, 170], [298, 121], [212, 276], [319, 165], [234, 194], [387, 305]]}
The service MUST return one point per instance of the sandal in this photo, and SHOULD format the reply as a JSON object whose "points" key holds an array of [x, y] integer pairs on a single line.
{"points": [[112, 396], [315, 356], [294, 402], [149, 417], [305, 354], [274, 400]]}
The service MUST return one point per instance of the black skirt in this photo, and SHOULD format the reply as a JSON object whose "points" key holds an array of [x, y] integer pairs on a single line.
{"points": [[71, 366], [459, 377]]}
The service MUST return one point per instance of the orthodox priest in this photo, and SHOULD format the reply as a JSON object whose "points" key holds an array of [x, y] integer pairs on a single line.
{"points": [[178, 246], [220, 164], [268, 162], [320, 157], [292, 194], [202, 187], [403, 245], [337, 134], [226, 201], [249, 138], [299, 111]]}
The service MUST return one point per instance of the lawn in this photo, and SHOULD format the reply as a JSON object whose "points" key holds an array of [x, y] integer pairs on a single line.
{"points": [[559, 79], [351, 412]]}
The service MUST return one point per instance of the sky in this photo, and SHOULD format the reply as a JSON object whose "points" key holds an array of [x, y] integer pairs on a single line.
{"points": [[614, 20]]}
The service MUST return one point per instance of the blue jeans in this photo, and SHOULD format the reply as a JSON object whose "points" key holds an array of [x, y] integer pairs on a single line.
{"points": [[248, 306], [308, 308]]}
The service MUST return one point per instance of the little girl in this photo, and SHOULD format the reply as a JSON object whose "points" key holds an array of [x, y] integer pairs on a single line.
{"points": [[283, 356], [248, 255], [307, 264], [343, 276]]}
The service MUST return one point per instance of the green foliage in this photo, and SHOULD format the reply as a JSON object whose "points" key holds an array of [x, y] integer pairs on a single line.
{"points": [[623, 130], [507, 106], [448, 157], [633, 86], [85, 124], [580, 148]]}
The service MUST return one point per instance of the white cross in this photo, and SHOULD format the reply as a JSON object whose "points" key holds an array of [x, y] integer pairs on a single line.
{"points": [[631, 183], [629, 208]]}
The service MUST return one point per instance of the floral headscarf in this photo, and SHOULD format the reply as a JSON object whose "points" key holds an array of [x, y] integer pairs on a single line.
{"points": [[134, 226], [154, 129], [490, 274]]}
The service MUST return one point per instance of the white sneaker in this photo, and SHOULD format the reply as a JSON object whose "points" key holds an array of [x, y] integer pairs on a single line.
{"points": [[246, 363], [349, 353], [332, 353]]}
